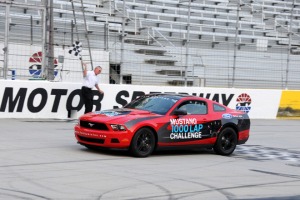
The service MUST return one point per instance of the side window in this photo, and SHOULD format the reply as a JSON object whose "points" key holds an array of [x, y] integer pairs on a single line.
{"points": [[219, 108], [194, 107]]}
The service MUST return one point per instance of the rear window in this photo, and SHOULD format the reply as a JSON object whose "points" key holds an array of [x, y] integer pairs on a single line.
{"points": [[193, 107], [219, 108]]}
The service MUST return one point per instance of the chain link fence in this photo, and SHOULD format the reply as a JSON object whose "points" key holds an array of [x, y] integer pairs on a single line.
{"points": [[206, 43]]}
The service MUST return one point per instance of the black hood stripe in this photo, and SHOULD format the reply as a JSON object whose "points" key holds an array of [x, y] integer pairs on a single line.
{"points": [[131, 123]]}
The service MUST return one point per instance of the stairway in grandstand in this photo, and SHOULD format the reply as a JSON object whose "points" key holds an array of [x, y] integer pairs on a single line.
{"points": [[151, 57]]}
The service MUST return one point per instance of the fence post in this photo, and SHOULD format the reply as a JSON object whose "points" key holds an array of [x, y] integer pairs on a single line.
{"points": [[236, 40], [289, 47], [6, 35]]}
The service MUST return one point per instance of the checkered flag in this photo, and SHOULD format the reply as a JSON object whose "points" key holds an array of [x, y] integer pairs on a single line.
{"points": [[76, 49]]}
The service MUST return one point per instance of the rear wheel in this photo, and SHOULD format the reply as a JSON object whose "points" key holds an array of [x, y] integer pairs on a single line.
{"points": [[143, 143], [226, 142]]}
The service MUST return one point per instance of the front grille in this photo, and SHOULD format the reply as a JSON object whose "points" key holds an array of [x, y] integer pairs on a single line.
{"points": [[93, 125], [93, 140]]}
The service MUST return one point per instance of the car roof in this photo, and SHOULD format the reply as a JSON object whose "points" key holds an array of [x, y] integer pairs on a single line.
{"points": [[171, 95]]}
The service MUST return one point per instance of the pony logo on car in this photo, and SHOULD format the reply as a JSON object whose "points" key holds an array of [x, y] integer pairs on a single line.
{"points": [[91, 125]]}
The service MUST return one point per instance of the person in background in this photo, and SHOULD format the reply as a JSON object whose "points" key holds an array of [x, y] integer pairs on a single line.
{"points": [[90, 80]]}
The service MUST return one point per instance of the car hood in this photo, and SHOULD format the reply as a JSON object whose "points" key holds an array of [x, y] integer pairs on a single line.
{"points": [[121, 115]]}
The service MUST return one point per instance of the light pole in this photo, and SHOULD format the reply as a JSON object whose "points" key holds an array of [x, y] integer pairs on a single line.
{"points": [[6, 38], [236, 41], [289, 48], [50, 71], [122, 43], [187, 44]]}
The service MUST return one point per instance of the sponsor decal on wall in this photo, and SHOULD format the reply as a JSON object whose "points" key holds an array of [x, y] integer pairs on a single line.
{"points": [[35, 68], [16, 103], [243, 103], [289, 104]]}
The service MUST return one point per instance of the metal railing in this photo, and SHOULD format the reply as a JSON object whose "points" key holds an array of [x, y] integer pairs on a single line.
{"points": [[262, 51]]}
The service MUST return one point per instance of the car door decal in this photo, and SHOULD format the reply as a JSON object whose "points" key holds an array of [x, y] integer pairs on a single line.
{"points": [[188, 132]]}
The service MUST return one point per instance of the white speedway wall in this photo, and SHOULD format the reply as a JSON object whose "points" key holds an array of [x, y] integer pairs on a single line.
{"points": [[43, 99]]}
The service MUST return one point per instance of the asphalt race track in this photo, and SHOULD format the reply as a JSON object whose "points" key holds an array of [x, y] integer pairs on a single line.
{"points": [[40, 159]]}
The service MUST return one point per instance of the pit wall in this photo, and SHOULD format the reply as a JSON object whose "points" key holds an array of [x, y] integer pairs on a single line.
{"points": [[43, 99]]}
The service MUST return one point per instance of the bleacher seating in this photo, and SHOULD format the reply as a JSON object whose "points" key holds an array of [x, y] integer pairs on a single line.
{"points": [[156, 35]]}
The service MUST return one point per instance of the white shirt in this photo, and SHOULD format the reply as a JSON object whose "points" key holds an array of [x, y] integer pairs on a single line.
{"points": [[90, 80]]}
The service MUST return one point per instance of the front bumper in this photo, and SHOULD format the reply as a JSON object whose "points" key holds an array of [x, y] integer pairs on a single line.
{"points": [[101, 138]]}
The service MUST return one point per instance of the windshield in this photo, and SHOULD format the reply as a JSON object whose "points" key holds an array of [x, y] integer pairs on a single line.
{"points": [[155, 104]]}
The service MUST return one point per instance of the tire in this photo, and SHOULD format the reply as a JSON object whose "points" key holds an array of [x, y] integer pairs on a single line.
{"points": [[143, 143], [226, 142]]}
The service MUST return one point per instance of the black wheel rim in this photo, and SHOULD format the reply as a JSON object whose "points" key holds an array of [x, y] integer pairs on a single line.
{"points": [[228, 141], [144, 143]]}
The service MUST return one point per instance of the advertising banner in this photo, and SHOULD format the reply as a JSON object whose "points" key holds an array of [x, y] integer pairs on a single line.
{"points": [[289, 106], [43, 99]]}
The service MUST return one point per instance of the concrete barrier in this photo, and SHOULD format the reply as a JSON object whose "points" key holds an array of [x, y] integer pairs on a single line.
{"points": [[43, 99]]}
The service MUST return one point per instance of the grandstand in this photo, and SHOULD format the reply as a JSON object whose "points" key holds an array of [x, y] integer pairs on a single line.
{"points": [[212, 43]]}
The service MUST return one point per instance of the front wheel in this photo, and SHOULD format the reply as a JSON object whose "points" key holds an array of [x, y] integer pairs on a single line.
{"points": [[226, 142], [143, 143]]}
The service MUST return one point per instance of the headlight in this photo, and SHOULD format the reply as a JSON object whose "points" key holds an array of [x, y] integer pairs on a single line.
{"points": [[117, 127]]}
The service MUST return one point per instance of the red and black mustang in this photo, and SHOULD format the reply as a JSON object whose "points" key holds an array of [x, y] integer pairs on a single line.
{"points": [[157, 121]]}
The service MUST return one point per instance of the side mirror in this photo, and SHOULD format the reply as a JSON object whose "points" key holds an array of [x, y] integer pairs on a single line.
{"points": [[179, 112]]}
